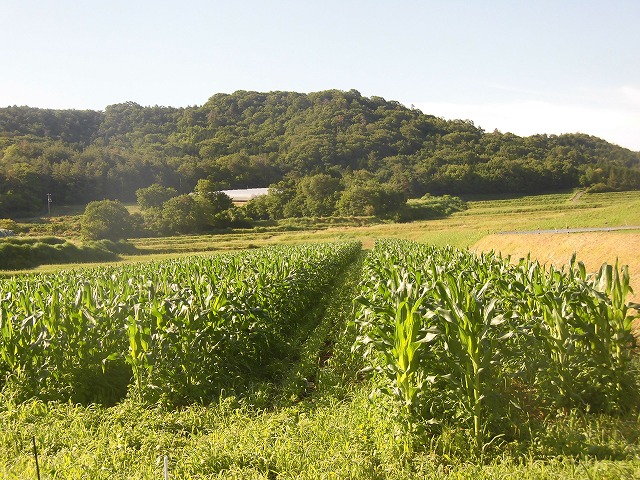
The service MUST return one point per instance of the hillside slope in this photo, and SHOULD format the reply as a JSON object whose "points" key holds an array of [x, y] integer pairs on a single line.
{"points": [[252, 139]]}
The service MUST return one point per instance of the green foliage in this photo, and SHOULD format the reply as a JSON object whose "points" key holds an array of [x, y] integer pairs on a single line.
{"points": [[213, 206], [20, 253], [371, 198], [323, 195], [429, 207], [8, 224], [318, 195], [154, 196], [68, 126], [312, 416], [599, 188], [181, 215], [105, 219], [252, 139], [166, 212], [458, 336], [192, 327]]}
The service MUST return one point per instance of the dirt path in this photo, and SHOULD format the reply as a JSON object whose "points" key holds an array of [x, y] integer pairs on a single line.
{"points": [[571, 230], [576, 196]]}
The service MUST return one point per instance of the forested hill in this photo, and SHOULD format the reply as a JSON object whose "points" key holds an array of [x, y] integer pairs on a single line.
{"points": [[251, 139]]}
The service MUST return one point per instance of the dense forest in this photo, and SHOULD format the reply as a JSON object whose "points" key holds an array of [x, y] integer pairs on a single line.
{"points": [[330, 140]]}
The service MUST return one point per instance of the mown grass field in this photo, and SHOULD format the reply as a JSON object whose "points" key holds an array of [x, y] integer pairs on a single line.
{"points": [[485, 216], [316, 415]]}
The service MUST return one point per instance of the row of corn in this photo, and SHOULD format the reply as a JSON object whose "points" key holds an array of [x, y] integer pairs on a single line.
{"points": [[181, 330], [477, 340]]}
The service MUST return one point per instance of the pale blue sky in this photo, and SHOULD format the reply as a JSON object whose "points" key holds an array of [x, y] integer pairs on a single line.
{"points": [[537, 66]]}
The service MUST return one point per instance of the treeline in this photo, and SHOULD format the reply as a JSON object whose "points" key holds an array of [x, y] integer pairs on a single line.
{"points": [[251, 139], [163, 211], [355, 194]]}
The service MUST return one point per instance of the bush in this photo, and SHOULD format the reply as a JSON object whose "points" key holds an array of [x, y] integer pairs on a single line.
{"points": [[430, 207], [599, 188], [121, 247], [23, 253], [8, 224], [106, 219]]}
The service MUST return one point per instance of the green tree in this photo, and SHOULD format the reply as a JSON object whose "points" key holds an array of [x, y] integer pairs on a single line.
{"points": [[105, 219], [212, 206], [205, 186], [370, 199], [182, 214], [153, 221], [258, 208], [318, 194], [154, 196], [280, 196]]}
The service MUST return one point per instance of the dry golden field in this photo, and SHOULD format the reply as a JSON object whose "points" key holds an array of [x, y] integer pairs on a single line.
{"points": [[592, 248]]}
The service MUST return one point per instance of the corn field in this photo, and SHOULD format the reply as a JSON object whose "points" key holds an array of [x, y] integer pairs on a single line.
{"points": [[478, 341], [456, 338], [180, 331]]}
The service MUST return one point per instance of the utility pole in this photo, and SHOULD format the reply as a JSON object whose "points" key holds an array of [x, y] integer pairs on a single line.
{"points": [[49, 203]]}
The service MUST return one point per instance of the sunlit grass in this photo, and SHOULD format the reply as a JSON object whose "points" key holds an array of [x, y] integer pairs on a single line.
{"points": [[485, 216], [328, 438]]}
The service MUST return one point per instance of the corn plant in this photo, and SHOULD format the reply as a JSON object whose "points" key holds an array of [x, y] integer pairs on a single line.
{"points": [[185, 328], [610, 338], [570, 316], [472, 337], [456, 335], [614, 319], [401, 331]]}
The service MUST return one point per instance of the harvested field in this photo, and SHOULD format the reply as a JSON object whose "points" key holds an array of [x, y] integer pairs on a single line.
{"points": [[593, 249]]}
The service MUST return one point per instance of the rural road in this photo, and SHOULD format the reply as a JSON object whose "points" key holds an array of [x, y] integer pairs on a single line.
{"points": [[571, 230]]}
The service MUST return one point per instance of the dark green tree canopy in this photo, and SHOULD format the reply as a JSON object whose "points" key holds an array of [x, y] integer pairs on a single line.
{"points": [[154, 196], [181, 215], [252, 139], [106, 219]]}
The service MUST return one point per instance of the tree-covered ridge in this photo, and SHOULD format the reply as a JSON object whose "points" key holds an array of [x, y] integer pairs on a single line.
{"points": [[252, 139], [70, 126]]}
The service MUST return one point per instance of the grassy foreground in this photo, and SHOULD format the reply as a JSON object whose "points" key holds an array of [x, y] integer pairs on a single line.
{"points": [[327, 436]]}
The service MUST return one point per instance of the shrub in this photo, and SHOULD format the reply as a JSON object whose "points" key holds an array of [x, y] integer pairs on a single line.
{"points": [[599, 188], [8, 224], [105, 219], [20, 253]]}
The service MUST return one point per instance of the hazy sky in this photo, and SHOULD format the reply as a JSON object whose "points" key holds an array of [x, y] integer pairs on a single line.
{"points": [[536, 66]]}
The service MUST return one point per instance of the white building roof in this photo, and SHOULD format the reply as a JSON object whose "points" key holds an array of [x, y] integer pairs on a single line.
{"points": [[245, 194]]}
